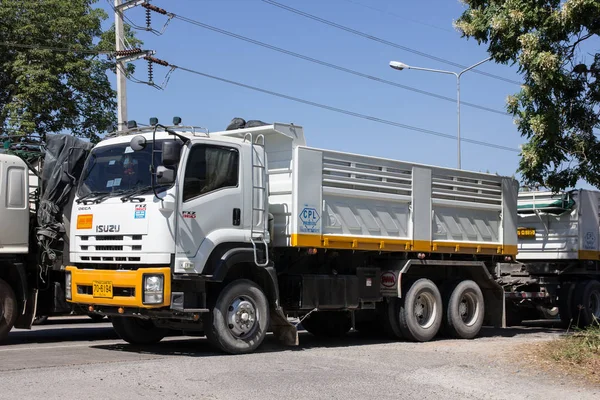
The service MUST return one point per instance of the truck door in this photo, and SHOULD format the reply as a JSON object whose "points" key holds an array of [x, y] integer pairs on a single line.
{"points": [[210, 204]]}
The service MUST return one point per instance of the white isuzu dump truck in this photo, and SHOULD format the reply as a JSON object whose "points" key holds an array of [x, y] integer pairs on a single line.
{"points": [[230, 233]]}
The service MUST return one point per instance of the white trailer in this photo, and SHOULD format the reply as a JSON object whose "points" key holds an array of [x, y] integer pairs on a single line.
{"points": [[32, 227], [559, 254], [240, 229]]}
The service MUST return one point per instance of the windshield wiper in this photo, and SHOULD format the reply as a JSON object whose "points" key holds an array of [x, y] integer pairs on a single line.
{"points": [[87, 197], [135, 192]]}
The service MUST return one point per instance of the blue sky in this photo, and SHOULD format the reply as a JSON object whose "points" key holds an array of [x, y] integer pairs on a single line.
{"points": [[205, 102]]}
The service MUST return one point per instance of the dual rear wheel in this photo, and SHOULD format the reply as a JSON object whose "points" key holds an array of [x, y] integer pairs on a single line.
{"points": [[457, 311]]}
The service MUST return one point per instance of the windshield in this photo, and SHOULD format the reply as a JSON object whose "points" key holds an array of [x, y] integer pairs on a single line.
{"points": [[116, 169]]}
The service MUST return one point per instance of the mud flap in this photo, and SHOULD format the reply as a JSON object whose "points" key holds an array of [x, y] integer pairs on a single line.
{"points": [[283, 330], [494, 307], [25, 319]]}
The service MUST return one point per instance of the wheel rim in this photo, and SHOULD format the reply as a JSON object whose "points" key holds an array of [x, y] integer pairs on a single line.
{"points": [[242, 317], [468, 308], [425, 309], [595, 303]]}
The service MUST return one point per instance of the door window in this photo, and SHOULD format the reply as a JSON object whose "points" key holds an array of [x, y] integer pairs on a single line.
{"points": [[210, 168]]}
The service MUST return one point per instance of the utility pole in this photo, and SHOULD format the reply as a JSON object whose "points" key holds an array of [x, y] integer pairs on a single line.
{"points": [[121, 78]]}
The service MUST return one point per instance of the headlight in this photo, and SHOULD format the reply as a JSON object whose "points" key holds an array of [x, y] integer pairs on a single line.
{"points": [[153, 289], [68, 295]]}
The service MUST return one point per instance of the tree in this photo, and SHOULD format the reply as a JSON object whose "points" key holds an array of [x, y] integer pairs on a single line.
{"points": [[557, 108], [43, 89]]}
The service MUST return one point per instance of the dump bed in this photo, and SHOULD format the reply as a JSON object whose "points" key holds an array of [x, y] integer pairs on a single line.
{"points": [[558, 226], [327, 199]]}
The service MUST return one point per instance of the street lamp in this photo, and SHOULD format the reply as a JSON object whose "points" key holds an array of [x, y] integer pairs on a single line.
{"points": [[400, 66]]}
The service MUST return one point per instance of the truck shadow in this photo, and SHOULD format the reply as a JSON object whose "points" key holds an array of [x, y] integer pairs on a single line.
{"points": [[200, 347], [62, 334]]}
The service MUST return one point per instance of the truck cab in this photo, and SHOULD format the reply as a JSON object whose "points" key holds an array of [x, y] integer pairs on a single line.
{"points": [[160, 214]]}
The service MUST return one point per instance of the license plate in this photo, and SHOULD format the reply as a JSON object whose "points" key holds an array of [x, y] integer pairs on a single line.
{"points": [[526, 233], [102, 289]]}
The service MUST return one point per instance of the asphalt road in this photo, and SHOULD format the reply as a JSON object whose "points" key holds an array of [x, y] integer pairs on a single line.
{"points": [[74, 358]]}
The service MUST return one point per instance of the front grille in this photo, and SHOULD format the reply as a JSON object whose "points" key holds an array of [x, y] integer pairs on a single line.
{"points": [[109, 243], [108, 237], [108, 248], [122, 259]]}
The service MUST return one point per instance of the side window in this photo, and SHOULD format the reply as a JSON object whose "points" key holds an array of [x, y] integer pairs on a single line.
{"points": [[210, 168]]}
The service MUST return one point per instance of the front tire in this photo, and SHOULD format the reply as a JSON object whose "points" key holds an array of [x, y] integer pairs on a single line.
{"points": [[8, 309], [464, 310], [587, 303], [138, 331], [420, 315], [239, 321]]}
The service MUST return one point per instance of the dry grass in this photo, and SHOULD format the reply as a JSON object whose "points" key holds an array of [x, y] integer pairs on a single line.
{"points": [[577, 353]]}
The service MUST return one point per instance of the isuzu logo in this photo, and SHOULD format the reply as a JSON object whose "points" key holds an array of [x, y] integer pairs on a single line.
{"points": [[108, 228]]}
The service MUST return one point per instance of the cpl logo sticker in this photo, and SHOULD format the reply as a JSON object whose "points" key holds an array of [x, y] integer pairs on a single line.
{"points": [[388, 279], [590, 241], [309, 217]]}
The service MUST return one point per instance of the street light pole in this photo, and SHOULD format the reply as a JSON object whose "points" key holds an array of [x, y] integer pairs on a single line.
{"points": [[400, 66]]}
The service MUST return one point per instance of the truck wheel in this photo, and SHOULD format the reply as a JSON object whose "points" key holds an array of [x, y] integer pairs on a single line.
{"points": [[587, 303], [463, 316], [390, 318], [565, 304], [328, 323], [137, 330], [420, 315], [8, 309], [239, 321]]}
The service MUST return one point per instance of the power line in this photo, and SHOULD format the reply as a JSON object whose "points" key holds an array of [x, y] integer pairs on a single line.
{"points": [[384, 41], [347, 112], [398, 15], [330, 65], [61, 49]]}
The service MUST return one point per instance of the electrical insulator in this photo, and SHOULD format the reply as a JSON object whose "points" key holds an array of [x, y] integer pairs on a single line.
{"points": [[148, 18], [150, 71]]}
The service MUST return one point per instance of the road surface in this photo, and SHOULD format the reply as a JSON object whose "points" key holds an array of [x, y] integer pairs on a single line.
{"points": [[74, 358]]}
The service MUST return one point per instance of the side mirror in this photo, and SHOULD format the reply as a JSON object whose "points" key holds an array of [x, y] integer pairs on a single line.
{"points": [[164, 175], [171, 152]]}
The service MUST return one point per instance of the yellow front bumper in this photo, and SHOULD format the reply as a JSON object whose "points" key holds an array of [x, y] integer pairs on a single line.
{"points": [[127, 287]]}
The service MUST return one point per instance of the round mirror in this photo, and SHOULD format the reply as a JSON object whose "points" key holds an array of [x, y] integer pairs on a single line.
{"points": [[138, 143]]}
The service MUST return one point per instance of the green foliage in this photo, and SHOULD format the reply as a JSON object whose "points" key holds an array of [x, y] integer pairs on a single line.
{"points": [[556, 109], [44, 91]]}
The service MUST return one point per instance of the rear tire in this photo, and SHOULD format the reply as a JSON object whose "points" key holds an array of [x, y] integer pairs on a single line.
{"points": [[8, 309], [138, 331], [328, 324], [565, 304], [420, 315], [587, 303], [464, 310], [239, 321]]}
